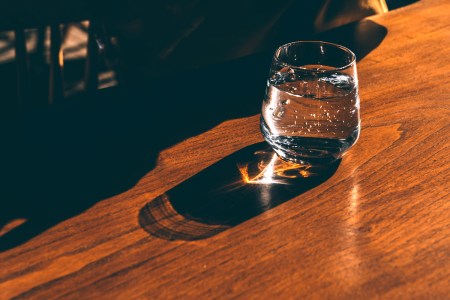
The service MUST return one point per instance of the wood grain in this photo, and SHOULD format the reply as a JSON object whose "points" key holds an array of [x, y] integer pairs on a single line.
{"points": [[378, 228]]}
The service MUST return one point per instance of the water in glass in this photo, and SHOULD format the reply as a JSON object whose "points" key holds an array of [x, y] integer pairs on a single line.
{"points": [[310, 115]]}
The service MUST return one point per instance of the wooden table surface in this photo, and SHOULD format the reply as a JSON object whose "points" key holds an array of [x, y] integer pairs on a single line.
{"points": [[378, 227]]}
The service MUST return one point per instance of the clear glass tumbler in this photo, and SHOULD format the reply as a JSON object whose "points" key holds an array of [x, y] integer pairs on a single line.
{"points": [[310, 112]]}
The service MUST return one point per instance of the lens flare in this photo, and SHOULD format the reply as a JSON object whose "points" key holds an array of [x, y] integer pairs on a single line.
{"points": [[272, 170]]}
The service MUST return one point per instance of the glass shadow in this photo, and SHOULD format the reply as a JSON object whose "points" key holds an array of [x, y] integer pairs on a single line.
{"points": [[233, 190]]}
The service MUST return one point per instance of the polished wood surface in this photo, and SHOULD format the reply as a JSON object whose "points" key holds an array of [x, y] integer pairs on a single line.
{"points": [[379, 227]]}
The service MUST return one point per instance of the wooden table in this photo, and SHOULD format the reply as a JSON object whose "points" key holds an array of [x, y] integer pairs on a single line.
{"points": [[378, 227]]}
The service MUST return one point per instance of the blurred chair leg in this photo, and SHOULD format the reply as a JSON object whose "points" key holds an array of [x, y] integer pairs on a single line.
{"points": [[92, 59], [22, 67], [40, 45], [56, 91]]}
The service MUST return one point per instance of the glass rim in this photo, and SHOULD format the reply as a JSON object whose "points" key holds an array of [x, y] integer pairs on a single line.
{"points": [[343, 48]]}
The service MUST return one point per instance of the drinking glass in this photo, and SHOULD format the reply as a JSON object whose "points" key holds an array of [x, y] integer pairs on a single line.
{"points": [[310, 111]]}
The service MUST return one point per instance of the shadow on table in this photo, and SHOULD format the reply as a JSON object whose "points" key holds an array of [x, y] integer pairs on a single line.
{"points": [[237, 188], [223, 195], [58, 161]]}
